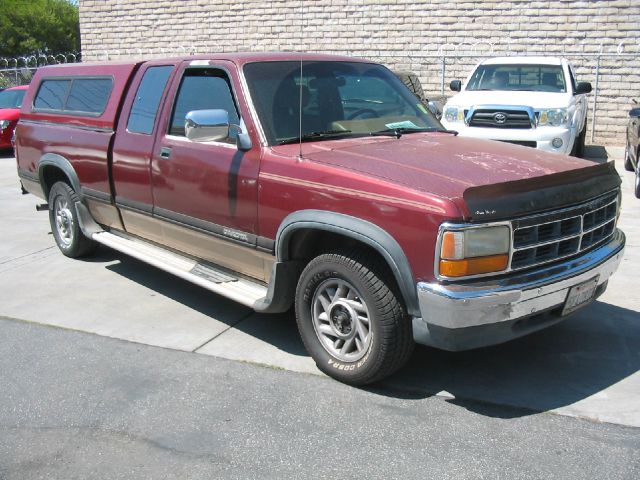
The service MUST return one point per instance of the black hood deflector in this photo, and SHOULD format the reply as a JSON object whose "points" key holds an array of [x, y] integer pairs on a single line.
{"points": [[505, 201]]}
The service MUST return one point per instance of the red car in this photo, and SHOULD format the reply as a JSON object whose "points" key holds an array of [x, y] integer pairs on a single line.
{"points": [[10, 104]]}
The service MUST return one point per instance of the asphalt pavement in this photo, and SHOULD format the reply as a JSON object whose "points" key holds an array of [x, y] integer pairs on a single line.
{"points": [[79, 405]]}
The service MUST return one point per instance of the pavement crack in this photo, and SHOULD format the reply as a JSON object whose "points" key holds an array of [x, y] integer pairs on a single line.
{"points": [[4, 262], [229, 327]]}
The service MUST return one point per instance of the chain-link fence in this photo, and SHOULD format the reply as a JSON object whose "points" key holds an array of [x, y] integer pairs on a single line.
{"points": [[20, 70], [615, 77]]}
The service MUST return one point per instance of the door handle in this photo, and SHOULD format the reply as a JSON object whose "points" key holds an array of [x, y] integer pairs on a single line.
{"points": [[165, 152]]}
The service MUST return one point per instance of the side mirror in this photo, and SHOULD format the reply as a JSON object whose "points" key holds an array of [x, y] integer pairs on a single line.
{"points": [[583, 87], [207, 125], [455, 85]]}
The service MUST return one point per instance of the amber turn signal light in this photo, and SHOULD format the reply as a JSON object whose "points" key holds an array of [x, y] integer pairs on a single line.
{"points": [[473, 266]]}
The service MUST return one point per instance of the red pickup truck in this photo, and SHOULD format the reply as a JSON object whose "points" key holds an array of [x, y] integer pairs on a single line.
{"points": [[319, 182]]}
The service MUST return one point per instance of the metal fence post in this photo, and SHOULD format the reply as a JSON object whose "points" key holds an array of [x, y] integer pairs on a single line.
{"points": [[443, 67], [595, 100]]}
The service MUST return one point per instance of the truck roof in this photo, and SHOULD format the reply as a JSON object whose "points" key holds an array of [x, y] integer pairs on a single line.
{"points": [[240, 58], [523, 60], [121, 71]]}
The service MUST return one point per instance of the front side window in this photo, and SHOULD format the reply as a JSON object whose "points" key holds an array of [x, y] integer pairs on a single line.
{"points": [[11, 98], [531, 78], [204, 89], [352, 98]]}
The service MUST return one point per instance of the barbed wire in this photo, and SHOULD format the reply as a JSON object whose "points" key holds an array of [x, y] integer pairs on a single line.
{"points": [[40, 60]]}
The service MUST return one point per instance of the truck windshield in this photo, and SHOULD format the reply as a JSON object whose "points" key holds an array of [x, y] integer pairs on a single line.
{"points": [[530, 78], [11, 98], [337, 98]]}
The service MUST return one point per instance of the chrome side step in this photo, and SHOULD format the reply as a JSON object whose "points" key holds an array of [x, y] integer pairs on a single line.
{"points": [[205, 275]]}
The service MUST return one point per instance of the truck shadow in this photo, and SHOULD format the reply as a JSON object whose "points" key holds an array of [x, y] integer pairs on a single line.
{"points": [[278, 330], [589, 352]]}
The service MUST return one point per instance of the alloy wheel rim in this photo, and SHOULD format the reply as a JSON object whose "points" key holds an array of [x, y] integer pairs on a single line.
{"points": [[63, 220], [341, 320]]}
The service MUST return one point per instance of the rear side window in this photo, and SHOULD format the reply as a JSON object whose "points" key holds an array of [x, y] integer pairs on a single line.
{"points": [[75, 96], [145, 107], [52, 95]]}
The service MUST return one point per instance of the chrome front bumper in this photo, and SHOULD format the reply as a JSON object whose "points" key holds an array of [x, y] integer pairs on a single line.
{"points": [[475, 314]]}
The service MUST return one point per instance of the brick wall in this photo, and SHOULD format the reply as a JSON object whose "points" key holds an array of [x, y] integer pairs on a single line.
{"points": [[404, 34]]}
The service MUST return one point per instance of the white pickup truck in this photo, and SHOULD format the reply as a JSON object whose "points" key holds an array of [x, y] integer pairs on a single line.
{"points": [[531, 101]]}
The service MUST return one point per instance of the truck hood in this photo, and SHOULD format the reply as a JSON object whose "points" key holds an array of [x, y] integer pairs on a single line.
{"points": [[450, 167], [469, 98]]}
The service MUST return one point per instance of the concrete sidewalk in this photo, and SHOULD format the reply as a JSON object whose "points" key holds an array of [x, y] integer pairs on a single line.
{"points": [[587, 366]]}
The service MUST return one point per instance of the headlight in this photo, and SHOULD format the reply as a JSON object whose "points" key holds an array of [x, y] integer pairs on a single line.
{"points": [[4, 124], [453, 114], [553, 117], [473, 250]]}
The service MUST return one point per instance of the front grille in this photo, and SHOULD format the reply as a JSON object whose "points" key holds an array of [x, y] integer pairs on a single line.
{"points": [[551, 236], [492, 118]]}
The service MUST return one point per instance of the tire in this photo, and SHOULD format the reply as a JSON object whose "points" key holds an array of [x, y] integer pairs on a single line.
{"points": [[354, 348], [64, 222], [578, 148], [628, 165], [412, 81]]}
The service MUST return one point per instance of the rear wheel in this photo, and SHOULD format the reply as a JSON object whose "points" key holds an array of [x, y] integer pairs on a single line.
{"points": [[64, 222], [351, 321]]}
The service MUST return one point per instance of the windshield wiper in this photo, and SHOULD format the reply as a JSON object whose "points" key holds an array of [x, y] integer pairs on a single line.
{"points": [[315, 136], [398, 132]]}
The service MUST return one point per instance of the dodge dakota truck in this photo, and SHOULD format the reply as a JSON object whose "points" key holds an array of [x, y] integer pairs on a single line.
{"points": [[319, 183]]}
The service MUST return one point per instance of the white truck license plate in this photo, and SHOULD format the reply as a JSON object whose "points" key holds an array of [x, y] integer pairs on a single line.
{"points": [[580, 295]]}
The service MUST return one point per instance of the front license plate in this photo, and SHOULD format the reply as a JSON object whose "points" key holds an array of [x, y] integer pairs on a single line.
{"points": [[580, 295]]}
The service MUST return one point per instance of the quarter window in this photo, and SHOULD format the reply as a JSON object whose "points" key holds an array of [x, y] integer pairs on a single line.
{"points": [[145, 107]]}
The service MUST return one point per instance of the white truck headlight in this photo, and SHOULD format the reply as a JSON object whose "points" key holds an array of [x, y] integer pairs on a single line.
{"points": [[453, 114], [553, 117], [473, 250]]}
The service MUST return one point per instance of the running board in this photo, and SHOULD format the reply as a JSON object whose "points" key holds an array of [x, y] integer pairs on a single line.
{"points": [[208, 276]]}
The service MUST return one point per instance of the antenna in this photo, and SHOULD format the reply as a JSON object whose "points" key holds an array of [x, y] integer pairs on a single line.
{"points": [[300, 92], [300, 112]]}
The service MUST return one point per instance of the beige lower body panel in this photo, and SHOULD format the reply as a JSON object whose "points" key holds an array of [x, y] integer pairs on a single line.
{"points": [[104, 213], [244, 260]]}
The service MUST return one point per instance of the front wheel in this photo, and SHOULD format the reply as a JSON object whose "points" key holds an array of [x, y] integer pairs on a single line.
{"points": [[578, 148], [350, 320], [638, 177], [628, 164], [64, 222]]}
